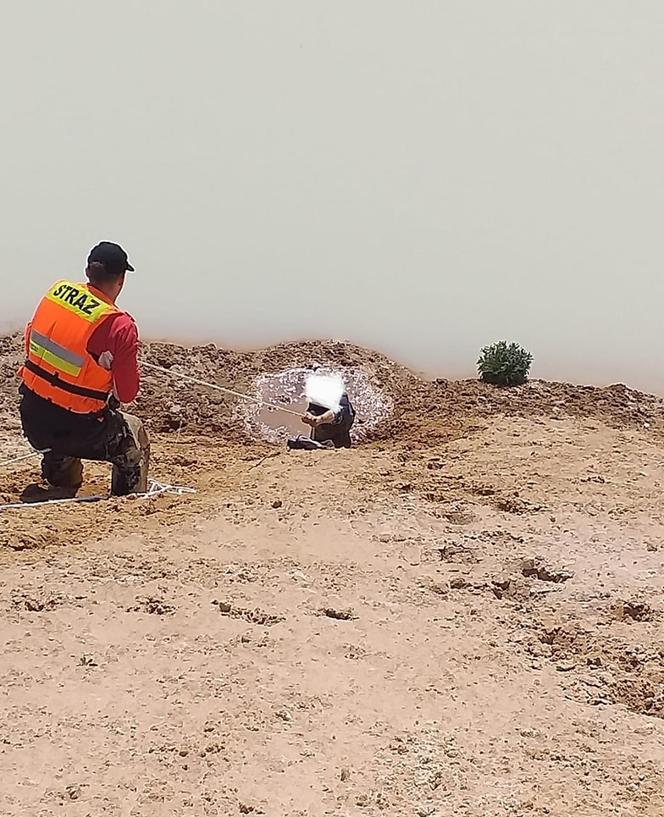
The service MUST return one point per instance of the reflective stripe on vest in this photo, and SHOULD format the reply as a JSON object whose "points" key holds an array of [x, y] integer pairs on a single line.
{"points": [[51, 352]]}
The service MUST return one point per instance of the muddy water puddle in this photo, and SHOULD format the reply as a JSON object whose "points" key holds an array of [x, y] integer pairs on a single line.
{"points": [[287, 389]]}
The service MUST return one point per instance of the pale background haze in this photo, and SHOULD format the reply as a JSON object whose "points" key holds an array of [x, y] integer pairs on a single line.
{"points": [[420, 177]]}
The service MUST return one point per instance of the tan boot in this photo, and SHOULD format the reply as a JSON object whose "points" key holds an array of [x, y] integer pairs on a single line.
{"points": [[131, 475]]}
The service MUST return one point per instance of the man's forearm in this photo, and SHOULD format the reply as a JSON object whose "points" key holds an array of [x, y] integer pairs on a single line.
{"points": [[126, 377], [328, 417]]}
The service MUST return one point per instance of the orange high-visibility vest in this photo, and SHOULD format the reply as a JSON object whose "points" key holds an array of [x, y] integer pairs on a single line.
{"points": [[58, 366]]}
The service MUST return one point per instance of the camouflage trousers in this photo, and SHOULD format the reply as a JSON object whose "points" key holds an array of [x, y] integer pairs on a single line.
{"points": [[126, 446], [111, 436]]}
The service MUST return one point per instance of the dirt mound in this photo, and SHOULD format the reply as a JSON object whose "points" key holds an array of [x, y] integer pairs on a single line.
{"points": [[169, 401], [423, 410]]}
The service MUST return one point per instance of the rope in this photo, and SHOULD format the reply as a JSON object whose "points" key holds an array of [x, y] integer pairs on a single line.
{"points": [[155, 489], [51, 502], [34, 453], [221, 388]]}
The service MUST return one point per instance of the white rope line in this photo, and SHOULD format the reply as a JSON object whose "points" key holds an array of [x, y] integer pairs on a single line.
{"points": [[214, 386], [11, 505], [34, 453], [155, 489]]}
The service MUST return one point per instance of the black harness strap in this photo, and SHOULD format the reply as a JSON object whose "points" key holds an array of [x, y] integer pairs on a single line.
{"points": [[54, 380]]}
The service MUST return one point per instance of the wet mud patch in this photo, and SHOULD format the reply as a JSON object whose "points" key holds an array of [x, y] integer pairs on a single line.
{"points": [[287, 388]]}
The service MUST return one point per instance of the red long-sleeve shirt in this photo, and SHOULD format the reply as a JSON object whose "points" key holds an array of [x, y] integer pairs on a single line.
{"points": [[117, 334]]}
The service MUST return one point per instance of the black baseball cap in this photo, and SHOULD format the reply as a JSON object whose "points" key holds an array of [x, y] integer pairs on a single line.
{"points": [[112, 256]]}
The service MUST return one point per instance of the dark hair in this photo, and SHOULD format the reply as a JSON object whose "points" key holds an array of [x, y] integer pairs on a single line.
{"points": [[99, 275]]}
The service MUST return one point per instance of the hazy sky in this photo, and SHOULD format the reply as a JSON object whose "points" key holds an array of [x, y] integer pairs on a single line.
{"points": [[421, 177]]}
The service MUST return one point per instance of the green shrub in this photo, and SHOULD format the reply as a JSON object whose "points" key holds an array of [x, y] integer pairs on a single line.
{"points": [[504, 364]]}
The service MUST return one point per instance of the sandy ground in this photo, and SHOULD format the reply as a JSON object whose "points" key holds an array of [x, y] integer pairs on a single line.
{"points": [[465, 620]]}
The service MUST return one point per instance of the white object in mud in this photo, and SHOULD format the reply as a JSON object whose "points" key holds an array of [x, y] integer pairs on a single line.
{"points": [[325, 390]]}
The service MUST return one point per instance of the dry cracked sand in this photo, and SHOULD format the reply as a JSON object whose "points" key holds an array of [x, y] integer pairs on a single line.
{"points": [[461, 616]]}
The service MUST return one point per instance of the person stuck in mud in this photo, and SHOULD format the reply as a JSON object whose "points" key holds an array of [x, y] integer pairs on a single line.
{"points": [[81, 364], [330, 415]]}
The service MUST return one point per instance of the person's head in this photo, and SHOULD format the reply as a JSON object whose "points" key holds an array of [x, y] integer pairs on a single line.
{"points": [[107, 265], [324, 390]]}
